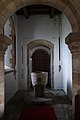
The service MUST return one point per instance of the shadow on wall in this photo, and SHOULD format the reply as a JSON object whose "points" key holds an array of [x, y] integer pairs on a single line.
{"points": [[69, 89]]}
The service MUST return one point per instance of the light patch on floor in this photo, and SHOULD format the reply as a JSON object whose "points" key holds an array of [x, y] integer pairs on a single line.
{"points": [[59, 101]]}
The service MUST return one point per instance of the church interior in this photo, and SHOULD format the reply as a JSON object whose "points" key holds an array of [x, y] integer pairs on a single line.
{"points": [[40, 57]]}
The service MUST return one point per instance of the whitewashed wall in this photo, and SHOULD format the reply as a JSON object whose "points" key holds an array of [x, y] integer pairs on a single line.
{"points": [[37, 27], [66, 58], [11, 86]]}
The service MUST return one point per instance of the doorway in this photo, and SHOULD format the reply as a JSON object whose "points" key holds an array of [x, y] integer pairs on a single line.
{"points": [[41, 62], [40, 54]]}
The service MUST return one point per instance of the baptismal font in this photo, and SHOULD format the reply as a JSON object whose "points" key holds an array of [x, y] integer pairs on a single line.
{"points": [[39, 80]]}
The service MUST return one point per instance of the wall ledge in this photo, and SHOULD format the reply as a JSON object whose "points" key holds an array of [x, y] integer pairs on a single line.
{"points": [[8, 70]]}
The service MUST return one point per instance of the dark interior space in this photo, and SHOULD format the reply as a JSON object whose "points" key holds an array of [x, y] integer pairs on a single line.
{"points": [[38, 9], [41, 62]]}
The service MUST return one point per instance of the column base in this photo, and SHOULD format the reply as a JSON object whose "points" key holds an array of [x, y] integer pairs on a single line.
{"points": [[39, 90]]}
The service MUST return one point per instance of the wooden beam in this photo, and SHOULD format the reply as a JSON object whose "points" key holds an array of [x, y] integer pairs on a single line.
{"points": [[26, 13]]}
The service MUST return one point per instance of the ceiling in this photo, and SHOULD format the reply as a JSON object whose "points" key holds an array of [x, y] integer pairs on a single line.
{"points": [[37, 10]]}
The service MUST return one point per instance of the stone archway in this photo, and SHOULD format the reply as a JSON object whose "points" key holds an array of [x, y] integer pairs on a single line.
{"points": [[8, 7], [45, 45]]}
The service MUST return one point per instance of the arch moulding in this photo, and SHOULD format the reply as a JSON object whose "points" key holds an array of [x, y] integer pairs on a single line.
{"points": [[9, 7], [48, 46]]}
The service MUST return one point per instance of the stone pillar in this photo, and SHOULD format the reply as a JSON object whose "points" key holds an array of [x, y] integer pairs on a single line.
{"points": [[73, 42], [4, 42]]}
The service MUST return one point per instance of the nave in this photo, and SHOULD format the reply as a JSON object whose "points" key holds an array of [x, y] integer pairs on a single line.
{"points": [[55, 98]]}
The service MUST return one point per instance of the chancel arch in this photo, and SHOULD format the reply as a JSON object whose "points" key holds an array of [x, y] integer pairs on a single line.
{"points": [[64, 6]]}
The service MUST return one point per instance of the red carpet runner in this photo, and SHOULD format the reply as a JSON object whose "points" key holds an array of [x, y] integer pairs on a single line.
{"points": [[38, 113]]}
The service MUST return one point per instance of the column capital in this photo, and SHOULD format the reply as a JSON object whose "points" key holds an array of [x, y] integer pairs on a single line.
{"points": [[4, 43], [73, 42]]}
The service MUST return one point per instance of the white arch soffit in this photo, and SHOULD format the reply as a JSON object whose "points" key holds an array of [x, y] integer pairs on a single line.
{"points": [[40, 47]]}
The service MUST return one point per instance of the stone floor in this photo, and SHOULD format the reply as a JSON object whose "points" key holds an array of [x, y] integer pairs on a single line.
{"points": [[55, 98]]}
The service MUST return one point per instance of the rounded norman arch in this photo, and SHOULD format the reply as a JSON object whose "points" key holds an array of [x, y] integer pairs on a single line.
{"points": [[9, 7], [40, 47], [50, 49]]}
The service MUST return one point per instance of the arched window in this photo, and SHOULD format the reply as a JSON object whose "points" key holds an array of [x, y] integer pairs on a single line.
{"points": [[10, 54]]}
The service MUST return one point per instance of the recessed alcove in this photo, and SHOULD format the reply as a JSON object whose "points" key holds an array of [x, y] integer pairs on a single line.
{"points": [[41, 58]]}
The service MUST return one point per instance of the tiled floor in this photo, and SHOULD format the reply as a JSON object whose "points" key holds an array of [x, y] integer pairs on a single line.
{"points": [[55, 98]]}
